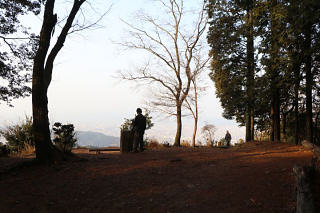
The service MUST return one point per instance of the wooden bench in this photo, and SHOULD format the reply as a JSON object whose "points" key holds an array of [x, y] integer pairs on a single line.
{"points": [[103, 149]]}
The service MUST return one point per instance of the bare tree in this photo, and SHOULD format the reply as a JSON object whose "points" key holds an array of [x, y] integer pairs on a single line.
{"points": [[42, 74], [173, 47], [192, 101], [191, 104], [208, 131]]}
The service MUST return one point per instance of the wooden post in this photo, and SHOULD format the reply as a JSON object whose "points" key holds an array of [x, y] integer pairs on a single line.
{"points": [[126, 141], [304, 176], [305, 202]]}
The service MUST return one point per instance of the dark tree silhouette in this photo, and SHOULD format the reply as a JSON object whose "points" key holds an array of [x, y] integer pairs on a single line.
{"points": [[231, 38], [42, 73], [17, 49], [280, 40]]}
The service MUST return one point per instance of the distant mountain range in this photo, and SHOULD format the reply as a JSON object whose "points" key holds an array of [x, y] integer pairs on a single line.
{"points": [[96, 139]]}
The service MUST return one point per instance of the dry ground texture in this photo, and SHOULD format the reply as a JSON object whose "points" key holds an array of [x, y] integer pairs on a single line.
{"points": [[256, 177]]}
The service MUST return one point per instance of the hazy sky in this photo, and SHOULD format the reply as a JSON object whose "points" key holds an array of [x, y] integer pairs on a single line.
{"points": [[85, 92]]}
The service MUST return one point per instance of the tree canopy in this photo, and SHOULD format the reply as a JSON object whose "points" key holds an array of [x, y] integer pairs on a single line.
{"points": [[265, 57], [17, 48]]}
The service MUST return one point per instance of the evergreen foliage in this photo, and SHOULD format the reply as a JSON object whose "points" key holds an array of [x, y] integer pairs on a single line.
{"points": [[281, 92], [64, 137], [231, 39], [18, 48], [128, 123]]}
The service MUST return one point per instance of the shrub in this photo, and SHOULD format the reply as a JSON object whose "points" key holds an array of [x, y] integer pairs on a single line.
{"points": [[291, 140], [128, 123], [166, 144], [153, 144], [27, 149], [64, 137], [240, 141], [199, 143], [19, 136], [209, 143], [185, 143], [222, 142], [4, 151]]}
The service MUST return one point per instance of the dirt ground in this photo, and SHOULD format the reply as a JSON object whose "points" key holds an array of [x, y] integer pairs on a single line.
{"points": [[256, 177]]}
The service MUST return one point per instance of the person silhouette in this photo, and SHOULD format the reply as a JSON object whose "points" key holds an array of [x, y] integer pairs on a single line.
{"points": [[228, 138], [139, 126]]}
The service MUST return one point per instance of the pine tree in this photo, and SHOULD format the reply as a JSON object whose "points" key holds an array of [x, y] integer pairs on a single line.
{"points": [[287, 34], [304, 21], [231, 37]]}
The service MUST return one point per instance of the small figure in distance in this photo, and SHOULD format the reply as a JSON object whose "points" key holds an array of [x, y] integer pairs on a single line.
{"points": [[139, 126], [228, 138]]}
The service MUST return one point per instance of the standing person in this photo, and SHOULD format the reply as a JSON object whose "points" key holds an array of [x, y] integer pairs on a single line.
{"points": [[228, 138], [139, 126]]}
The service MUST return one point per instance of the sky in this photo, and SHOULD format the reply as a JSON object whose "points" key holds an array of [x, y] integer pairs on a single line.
{"points": [[86, 91]]}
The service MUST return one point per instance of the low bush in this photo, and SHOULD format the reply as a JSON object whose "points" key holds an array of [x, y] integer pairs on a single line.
{"points": [[240, 141], [153, 144], [209, 143], [199, 143], [4, 150], [19, 136], [291, 140], [222, 142], [128, 123], [27, 149], [64, 137], [166, 144], [185, 143]]}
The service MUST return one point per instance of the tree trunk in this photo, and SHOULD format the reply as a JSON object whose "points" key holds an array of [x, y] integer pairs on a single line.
{"points": [[284, 125], [196, 113], [317, 139], [274, 69], [296, 101], [252, 125], [309, 83], [43, 144], [41, 78], [195, 128], [194, 132], [248, 126], [250, 76], [179, 126], [275, 115], [272, 121], [277, 127]]}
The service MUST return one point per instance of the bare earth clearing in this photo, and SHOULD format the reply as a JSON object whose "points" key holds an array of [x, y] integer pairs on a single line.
{"points": [[256, 177]]}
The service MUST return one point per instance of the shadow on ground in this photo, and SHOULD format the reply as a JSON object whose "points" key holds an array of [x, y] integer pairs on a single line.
{"points": [[255, 177]]}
